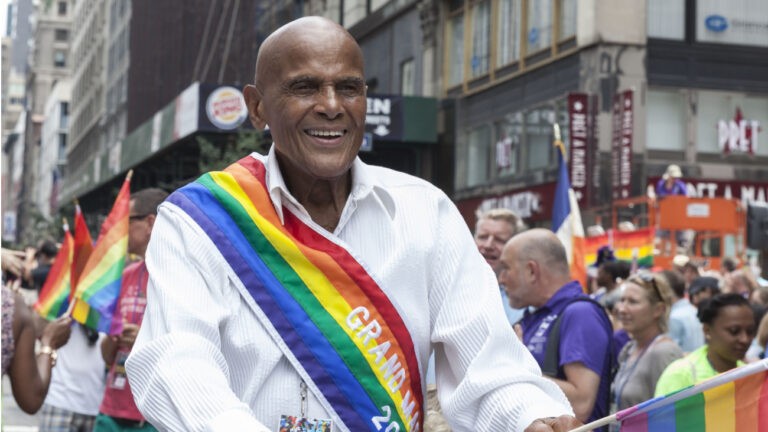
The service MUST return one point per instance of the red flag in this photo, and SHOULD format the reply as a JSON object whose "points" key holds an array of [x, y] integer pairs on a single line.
{"points": [[83, 247]]}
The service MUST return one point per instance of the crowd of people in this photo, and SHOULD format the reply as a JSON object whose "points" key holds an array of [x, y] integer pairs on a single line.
{"points": [[304, 287]]}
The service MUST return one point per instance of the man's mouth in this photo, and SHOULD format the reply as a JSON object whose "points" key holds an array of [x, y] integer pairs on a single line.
{"points": [[325, 134]]}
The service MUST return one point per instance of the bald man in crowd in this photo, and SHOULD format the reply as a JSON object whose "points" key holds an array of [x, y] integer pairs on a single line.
{"points": [[535, 272]]}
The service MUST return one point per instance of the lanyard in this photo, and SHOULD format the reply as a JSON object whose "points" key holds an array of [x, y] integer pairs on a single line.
{"points": [[139, 292], [626, 376]]}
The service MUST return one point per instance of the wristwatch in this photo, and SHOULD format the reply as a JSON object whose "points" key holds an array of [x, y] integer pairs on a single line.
{"points": [[49, 352]]}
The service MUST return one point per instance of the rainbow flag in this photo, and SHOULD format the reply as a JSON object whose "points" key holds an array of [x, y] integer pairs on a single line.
{"points": [[632, 246], [83, 246], [735, 401], [317, 296], [99, 285], [54, 297], [635, 246]]}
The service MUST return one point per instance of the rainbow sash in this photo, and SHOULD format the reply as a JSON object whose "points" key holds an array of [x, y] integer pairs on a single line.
{"points": [[337, 324]]}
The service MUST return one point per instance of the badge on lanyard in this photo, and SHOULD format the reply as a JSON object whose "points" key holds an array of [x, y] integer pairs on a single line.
{"points": [[119, 378], [301, 423]]}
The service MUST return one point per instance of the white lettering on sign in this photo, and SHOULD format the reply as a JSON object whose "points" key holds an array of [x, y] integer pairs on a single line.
{"points": [[697, 210], [738, 136], [579, 152], [378, 106], [524, 203]]}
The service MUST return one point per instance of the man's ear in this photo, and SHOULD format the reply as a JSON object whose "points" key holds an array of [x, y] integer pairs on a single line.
{"points": [[253, 102], [532, 270]]}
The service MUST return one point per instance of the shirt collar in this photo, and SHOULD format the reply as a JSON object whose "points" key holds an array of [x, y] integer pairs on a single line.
{"points": [[364, 185], [563, 295]]}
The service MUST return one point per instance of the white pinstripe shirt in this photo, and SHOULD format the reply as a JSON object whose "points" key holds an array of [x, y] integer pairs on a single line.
{"points": [[204, 362]]}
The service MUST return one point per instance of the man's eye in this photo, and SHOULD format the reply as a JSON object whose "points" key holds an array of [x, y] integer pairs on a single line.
{"points": [[350, 89], [303, 87]]}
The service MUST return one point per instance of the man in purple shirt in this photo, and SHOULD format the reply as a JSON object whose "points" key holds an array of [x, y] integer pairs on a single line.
{"points": [[535, 272]]}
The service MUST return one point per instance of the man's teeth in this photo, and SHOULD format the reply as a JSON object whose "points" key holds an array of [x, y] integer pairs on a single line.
{"points": [[321, 133]]}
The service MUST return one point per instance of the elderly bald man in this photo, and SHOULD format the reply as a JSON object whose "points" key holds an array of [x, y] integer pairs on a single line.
{"points": [[535, 272], [306, 289]]}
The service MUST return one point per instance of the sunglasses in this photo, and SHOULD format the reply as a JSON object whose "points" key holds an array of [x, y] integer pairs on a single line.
{"points": [[137, 217], [649, 278]]}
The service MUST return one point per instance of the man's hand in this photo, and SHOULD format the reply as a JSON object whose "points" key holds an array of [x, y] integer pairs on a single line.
{"points": [[518, 331], [563, 423], [128, 337]]}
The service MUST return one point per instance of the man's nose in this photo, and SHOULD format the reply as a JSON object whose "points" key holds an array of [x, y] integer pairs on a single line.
{"points": [[329, 104]]}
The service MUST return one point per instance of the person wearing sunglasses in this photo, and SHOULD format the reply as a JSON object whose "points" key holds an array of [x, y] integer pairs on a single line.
{"points": [[644, 307], [729, 327]]}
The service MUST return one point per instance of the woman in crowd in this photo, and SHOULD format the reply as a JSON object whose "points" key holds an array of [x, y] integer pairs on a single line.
{"points": [[30, 373], [643, 311], [729, 327]]}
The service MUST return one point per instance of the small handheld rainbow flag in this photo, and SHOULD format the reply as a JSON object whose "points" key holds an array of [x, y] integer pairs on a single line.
{"points": [[55, 294], [735, 401], [99, 285], [83, 246]]}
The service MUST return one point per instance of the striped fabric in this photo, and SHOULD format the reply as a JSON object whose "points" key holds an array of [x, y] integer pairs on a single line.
{"points": [[337, 322]]}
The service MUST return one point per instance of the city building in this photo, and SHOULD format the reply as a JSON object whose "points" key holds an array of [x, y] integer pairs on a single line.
{"points": [[138, 62], [14, 68], [634, 86], [48, 64], [53, 149]]}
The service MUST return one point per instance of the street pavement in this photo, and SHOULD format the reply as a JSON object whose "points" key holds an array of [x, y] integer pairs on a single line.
{"points": [[13, 418]]}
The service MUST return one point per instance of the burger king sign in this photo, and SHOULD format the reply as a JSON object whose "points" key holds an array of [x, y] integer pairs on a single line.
{"points": [[226, 108]]}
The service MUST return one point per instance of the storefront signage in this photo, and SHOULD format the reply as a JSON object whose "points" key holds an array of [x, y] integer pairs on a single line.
{"points": [[226, 108], [738, 135], [745, 191], [743, 22], [621, 146], [534, 204], [716, 23], [581, 122], [382, 117]]}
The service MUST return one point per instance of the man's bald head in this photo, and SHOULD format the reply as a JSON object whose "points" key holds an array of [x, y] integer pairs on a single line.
{"points": [[302, 33], [542, 246]]}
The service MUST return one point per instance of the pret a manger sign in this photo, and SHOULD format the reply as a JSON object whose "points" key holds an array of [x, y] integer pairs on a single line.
{"points": [[738, 135]]}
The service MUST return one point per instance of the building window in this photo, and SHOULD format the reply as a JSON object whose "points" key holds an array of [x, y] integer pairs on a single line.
{"points": [[456, 50], [62, 148], [539, 25], [539, 138], [478, 155], [740, 22], [665, 120], [509, 32], [408, 77], [62, 8], [509, 136], [481, 40], [61, 35], [567, 18], [666, 19], [64, 115], [59, 59]]}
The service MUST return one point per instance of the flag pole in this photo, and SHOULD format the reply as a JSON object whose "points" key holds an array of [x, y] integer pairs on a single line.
{"points": [[596, 424]]}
